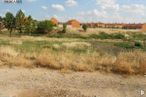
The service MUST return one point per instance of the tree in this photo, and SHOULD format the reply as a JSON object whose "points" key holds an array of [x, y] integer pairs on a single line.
{"points": [[20, 21], [64, 28], [9, 22], [84, 27], [30, 25], [45, 26], [1, 23], [1, 19]]}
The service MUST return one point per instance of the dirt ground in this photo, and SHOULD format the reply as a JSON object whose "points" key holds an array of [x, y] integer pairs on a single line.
{"points": [[20, 82]]}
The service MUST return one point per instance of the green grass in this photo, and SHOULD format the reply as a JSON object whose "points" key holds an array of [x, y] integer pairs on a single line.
{"points": [[140, 36], [96, 45], [4, 42], [101, 35], [66, 35], [35, 46], [126, 45]]}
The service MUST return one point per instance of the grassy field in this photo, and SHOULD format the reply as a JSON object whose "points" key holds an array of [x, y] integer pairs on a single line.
{"points": [[117, 52]]}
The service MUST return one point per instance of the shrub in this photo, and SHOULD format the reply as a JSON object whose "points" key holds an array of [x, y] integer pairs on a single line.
{"points": [[44, 27], [126, 45], [138, 44], [64, 28], [84, 27], [118, 36], [103, 35]]}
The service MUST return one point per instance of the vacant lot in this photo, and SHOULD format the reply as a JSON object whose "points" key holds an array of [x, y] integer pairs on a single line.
{"points": [[122, 53], [87, 64]]}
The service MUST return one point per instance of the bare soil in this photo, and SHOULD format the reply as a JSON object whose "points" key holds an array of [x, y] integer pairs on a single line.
{"points": [[38, 82]]}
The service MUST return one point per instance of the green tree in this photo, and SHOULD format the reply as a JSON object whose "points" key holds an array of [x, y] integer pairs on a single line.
{"points": [[30, 25], [9, 22], [84, 27], [64, 28], [1, 19], [1, 23], [45, 26], [20, 21]]}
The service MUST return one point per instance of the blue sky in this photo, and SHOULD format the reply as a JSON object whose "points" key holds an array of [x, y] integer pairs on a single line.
{"points": [[128, 11]]}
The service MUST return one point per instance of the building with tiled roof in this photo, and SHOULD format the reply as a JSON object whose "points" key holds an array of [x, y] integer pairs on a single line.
{"points": [[54, 21], [74, 23]]}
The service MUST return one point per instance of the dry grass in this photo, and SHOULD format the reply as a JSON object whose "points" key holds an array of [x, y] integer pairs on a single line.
{"points": [[65, 61], [8, 51], [125, 62], [76, 44], [48, 60], [10, 57], [131, 62], [98, 30], [20, 61]]}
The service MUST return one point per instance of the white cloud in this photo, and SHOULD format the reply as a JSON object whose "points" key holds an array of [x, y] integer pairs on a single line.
{"points": [[44, 7], [71, 3], [92, 15], [133, 9], [108, 4], [58, 7], [121, 12]]}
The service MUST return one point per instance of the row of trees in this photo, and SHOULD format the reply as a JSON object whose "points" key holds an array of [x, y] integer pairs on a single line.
{"points": [[27, 25], [23, 24], [20, 22]]}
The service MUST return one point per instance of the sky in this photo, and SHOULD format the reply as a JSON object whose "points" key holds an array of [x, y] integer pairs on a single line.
{"points": [[113, 11]]}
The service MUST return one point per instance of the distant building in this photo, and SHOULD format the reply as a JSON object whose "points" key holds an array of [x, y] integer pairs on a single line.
{"points": [[132, 26], [54, 21], [74, 23], [144, 27], [114, 25]]}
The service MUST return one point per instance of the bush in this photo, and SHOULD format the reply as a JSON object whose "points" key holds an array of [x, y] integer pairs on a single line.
{"points": [[138, 44], [84, 27], [118, 36], [126, 45], [44, 27], [103, 35], [64, 28]]}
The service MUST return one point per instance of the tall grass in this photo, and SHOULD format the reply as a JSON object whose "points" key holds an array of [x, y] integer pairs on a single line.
{"points": [[125, 62]]}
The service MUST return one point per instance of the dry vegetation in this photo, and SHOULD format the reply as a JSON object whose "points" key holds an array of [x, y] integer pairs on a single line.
{"points": [[76, 53], [125, 62]]}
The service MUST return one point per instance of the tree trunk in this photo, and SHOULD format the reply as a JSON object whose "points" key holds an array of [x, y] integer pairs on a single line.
{"points": [[20, 32], [10, 32]]}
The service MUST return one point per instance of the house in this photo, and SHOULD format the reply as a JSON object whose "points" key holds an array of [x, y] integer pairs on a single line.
{"points": [[144, 27], [132, 26], [54, 21], [100, 25], [74, 23]]}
